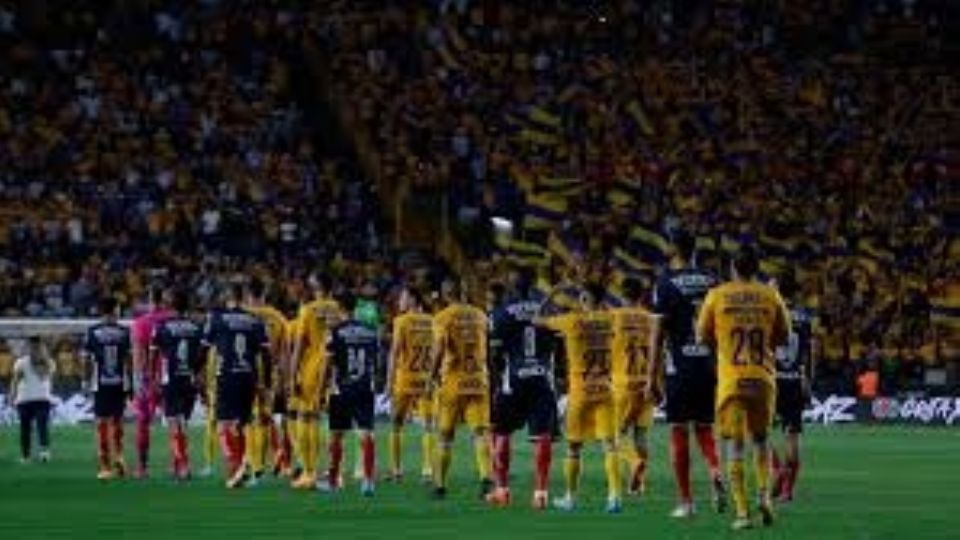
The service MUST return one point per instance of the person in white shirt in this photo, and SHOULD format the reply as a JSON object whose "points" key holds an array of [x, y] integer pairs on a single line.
{"points": [[31, 393]]}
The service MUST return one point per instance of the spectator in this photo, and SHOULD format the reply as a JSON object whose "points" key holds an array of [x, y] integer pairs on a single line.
{"points": [[31, 393]]}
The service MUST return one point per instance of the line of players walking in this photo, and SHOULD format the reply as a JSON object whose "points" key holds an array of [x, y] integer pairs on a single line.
{"points": [[706, 349]]}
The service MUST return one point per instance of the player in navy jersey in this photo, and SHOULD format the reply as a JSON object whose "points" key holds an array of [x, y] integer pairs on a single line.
{"points": [[525, 395], [794, 373], [177, 349], [240, 343], [688, 370], [353, 349], [108, 363]]}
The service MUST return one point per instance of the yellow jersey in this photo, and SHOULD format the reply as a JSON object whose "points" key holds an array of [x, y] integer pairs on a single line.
{"points": [[746, 321], [314, 322], [413, 333], [588, 339], [461, 332], [634, 330]]}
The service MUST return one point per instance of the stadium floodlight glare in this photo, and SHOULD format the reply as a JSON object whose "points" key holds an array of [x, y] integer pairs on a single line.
{"points": [[502, 225]]}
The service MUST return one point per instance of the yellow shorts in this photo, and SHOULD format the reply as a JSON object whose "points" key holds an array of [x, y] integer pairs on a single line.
{"points": [[405, 405], [590, 421], [633, 410], [455, 409], [746, 414]]}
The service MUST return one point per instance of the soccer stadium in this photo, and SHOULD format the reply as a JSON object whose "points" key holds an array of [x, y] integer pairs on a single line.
{"points": [[479, 269]]}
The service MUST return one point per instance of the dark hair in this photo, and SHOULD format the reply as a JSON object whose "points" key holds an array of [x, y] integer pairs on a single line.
{"points": [[596, 291], [155, 293], [685, 245], [632, 289], [747, 261], [788, 284], [417, 296], [181, 299], [525, 279], [234, 292], [256, 287], [348, 302], [322, 282], [108, 305]]}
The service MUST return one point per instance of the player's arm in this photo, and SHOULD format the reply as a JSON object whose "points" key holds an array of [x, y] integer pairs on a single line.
{"points": [[396, 345], [781, 323], [128, 373], [706, 321], [15, 380], [661, 307], [86, 361], [297, 349], [655, 352]]}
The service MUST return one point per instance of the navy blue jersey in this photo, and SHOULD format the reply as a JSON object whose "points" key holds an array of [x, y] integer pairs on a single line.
{"points": [[526, 349], [178, 342], [240, 340], [354, 347], [794, 359], [107, 346], [677, 298]]}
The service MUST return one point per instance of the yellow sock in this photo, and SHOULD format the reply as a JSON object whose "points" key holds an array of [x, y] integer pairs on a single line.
{"points": [[611, 465], [210, 441], [571, 473], [308, 445], [396, 442], [481, 449], [443, 467], [428, 444], [296, 441], [738, 487], [761, 468], [320, 436]]}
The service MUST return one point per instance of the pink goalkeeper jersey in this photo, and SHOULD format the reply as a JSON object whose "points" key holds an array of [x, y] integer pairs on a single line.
{"points": [[141, 331]]}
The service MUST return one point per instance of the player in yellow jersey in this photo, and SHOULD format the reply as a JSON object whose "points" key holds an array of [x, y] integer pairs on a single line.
{"points": [[745, 321], [408, 377], [635, 343], [314, 321], [463, 395], [259, 432], [590, 416]]}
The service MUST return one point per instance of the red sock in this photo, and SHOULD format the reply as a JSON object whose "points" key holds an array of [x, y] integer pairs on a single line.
{"points": [[239, 446], [118, 438], [226, 448], [708, 447], [793, 469], [174, 447], [369, 456], [287, 446], [336, 457], [775, 463], [103, 443], [543, 454], [274, 438], [501, 460], [143, 441], [182, 449], [680, 448]]}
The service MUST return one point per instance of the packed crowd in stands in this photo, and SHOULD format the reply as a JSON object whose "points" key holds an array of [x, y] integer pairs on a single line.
{"points": [[170, 141], [598, 130]]}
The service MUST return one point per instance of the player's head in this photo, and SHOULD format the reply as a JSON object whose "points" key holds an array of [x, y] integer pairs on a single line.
{"points": [[632, 290], [256, 290], [787, 284], [234, 294], [180, 300], [322, 285], [156, 295], [746, 262], [684, 246], [349, 303], [447, 288], [523, 281], [108, 307], [457, 291], [411, 299], [592, 295]]}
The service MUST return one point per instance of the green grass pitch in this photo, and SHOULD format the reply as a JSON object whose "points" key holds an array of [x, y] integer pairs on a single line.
{"points": [[857, 482]]}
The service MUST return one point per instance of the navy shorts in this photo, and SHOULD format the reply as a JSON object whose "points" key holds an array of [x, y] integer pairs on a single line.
{"points": [[235, 399], [690, 399], [179, 399], [351, 408], [109, 402], [532, 403], [790, 405]]}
